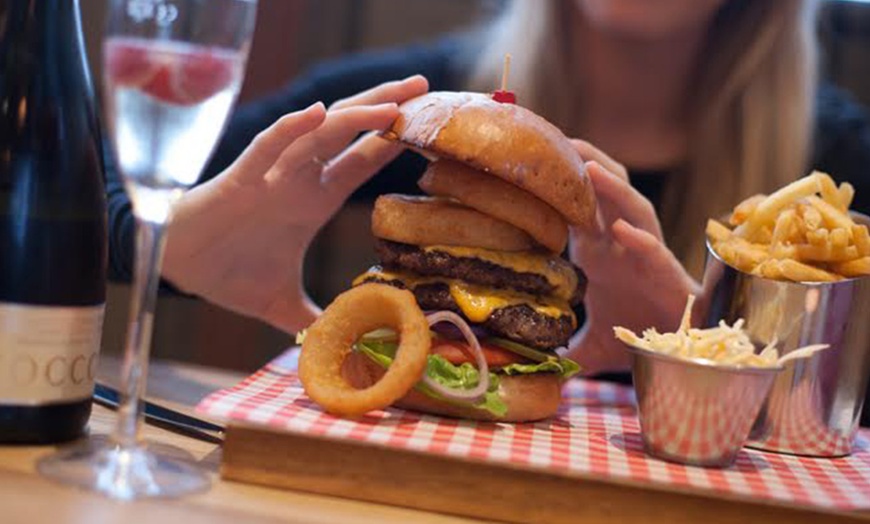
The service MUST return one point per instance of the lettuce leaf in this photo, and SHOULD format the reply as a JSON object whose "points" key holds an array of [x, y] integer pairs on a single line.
{"points": [[383, 353], [563, 366], [439, 369], [466, 376]]}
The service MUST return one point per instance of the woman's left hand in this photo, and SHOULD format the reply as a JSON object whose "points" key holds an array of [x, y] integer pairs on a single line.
{"points": [[634, 279]]}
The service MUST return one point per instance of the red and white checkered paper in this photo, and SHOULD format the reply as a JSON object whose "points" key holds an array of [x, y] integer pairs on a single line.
{"points": [[596, 432]]}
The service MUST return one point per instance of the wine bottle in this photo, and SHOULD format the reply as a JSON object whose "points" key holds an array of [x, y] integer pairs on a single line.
{"points": [[53, 251]]}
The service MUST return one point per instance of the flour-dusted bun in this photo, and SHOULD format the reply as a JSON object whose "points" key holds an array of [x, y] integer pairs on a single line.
{"points": [[505, 140], [497, 198], [528, 397], [426, 221]]}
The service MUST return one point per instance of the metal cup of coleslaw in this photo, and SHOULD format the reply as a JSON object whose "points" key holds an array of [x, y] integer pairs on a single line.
{"points": [[695, 411]]}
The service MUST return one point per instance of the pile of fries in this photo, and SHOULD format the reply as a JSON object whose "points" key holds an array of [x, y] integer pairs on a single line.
{"points": [[802, 233]]}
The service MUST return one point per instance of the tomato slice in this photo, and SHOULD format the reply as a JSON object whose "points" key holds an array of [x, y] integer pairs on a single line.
{"points": [[457, 352]]}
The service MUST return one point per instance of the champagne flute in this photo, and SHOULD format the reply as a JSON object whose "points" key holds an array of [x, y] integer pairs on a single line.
{"points": [[172, 70]]}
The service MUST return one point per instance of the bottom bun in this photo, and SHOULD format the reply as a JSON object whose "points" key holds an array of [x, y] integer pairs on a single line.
{"points": [[528, 397]]}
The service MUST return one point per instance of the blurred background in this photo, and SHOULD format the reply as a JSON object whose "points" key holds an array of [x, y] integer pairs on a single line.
{"points": [[294, 34]]}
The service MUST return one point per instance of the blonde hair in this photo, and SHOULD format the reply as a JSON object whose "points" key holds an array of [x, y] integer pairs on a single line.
{"points": [[750, 120]]}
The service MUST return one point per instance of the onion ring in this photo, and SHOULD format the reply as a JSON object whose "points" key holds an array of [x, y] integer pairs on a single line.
{"points": [[471, 395], [330, 339]]}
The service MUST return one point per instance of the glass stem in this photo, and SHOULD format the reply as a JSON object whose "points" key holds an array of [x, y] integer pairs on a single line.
{"points": [[150, 242]]}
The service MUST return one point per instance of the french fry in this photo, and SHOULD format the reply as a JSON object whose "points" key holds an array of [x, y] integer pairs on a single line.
{"points": [[854, 268], [788, 269], [744, 209], [810, 216], [847, 194], [768, 209], [800, 272], [840, 238], [769, 269], [830, 192], [785, 228], [832, 216], [808, 253], [741, 254], [861, 238], [717, 231], [818, 237], [762, 236], [783, 251]]}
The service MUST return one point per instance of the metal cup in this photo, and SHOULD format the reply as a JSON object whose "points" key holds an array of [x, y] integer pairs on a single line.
{"points": [[815, 404], [696, 413]]}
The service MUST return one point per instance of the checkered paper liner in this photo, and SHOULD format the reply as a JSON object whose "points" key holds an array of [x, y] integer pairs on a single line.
{"points": [[595, 433]]}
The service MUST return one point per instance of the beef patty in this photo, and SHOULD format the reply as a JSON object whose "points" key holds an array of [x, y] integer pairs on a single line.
{"points": [[394, 255], [519, 323]]}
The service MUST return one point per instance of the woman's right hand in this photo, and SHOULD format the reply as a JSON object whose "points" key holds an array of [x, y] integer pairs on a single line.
{"points": [[239, 240], [634, 279]]}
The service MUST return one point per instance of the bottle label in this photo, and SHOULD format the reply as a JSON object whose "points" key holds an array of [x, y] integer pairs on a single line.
{"points": [[48, 354]]}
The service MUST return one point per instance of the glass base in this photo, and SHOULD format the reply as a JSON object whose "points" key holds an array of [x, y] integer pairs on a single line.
{"points": [[125, 473]]}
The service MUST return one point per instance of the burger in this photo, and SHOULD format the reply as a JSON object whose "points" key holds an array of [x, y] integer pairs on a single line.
{"points": [[484, 246]]}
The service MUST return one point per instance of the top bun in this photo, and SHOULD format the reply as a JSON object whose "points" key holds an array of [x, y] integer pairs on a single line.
{"points": [[505, 140]]}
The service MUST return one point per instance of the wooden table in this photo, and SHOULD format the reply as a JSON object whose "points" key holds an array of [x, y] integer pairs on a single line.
{"points": [[27, 497]]}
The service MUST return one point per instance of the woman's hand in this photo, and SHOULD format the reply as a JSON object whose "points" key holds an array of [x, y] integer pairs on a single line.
{"points": [[239, 240], [634, 279]]}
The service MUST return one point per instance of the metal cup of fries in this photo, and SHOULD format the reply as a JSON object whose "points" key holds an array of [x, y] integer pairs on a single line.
{"points": [[795, 268]]}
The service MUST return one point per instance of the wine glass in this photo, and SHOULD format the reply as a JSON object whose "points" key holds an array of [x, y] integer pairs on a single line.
{"points": [[172, 70]]}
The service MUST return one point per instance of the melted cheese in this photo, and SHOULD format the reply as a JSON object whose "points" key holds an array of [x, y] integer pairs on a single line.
{"points": [[556, 271], [477, 303]]}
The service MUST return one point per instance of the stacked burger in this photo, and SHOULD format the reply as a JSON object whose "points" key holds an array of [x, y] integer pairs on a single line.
{"points": [[504, 185]]}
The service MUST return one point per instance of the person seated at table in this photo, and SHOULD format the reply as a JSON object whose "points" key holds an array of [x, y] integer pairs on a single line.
{"points": [[704, 101]]}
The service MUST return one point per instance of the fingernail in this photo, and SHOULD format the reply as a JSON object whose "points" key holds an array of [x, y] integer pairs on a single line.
{"points": [[316, 106]]}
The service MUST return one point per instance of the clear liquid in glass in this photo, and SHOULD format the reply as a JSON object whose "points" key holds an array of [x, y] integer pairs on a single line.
{"points": [[168, 103]]}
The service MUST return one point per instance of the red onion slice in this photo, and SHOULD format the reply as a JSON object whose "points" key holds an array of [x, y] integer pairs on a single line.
{"points": [[470, 395]]}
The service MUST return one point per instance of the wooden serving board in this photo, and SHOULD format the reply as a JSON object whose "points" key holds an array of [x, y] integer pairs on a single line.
{"points": [[474, 488], [587, 464]]}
